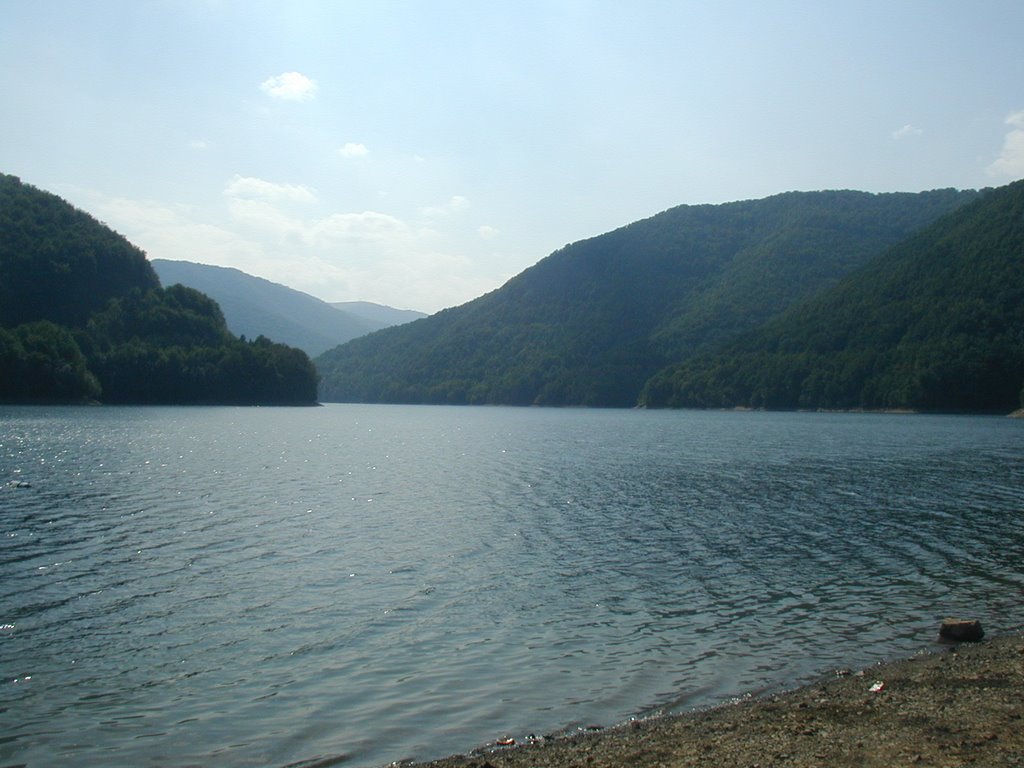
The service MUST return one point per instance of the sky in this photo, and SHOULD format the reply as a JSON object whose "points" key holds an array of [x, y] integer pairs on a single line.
{"points": [[420, 153]]}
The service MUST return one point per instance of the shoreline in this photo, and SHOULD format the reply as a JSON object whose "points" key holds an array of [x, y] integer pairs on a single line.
{"points": [[961, 704]]}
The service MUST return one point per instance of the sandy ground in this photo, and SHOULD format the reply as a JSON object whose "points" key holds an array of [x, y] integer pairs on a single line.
{"points": [[962, 705]]}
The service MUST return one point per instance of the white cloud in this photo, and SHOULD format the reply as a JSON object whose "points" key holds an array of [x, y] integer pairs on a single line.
{"points": [[352, 149], [906, 132], [456, 204], [251, 188], [385, 259], [291, 86], [263, 218], [171, 231], [367, 255], [365, 227], [486, 231], [1010, 163], [199, 145]]}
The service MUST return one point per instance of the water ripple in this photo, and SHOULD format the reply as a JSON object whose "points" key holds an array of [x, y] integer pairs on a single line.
{"points": [[262, 586]]}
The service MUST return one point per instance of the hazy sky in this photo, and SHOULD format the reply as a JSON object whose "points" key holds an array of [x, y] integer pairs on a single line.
{"points": [[419, 154]]}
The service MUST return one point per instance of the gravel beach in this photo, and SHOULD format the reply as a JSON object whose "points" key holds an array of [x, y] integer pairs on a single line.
{"points": [[960, 705]]}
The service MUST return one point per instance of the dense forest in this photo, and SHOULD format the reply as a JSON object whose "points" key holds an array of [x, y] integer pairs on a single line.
{"points": [[936, 323], [590, 324], [83, 317]]}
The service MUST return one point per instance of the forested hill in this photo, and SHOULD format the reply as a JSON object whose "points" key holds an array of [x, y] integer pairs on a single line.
{"points": [[936, 323], [58, 263], [591, 323], [253, 306], [83, 317]]}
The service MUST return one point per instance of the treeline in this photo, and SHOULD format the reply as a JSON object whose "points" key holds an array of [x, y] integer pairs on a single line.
{"points": [[590, 324], [172, 346], [936, 323], [83, 318]]}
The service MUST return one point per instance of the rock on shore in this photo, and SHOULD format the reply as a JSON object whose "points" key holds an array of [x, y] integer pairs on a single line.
{"points": [[962, 705]]}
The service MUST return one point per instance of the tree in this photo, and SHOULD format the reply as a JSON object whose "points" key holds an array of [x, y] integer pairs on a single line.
{"points": [[42, 362]]}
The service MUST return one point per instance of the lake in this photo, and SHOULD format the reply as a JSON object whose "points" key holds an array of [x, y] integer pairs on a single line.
{"points": [[265, 587]]}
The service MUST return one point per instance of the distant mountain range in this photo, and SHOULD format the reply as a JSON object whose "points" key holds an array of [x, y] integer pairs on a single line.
{"points": [[626, 318], [256, 307], [381, 314]]}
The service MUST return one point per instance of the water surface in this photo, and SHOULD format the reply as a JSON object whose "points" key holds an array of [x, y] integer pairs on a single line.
{"points": [[254, 587]]}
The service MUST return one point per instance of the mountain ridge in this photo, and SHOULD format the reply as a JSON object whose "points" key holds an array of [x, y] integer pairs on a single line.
{"points": [[590, 323], [934, 323], [381, 313], [254, 306]]}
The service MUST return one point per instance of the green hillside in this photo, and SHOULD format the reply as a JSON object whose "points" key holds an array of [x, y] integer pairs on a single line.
{"points": [[936, 323], [591, 323], [255, 307], [58, 263], [83, 317]]}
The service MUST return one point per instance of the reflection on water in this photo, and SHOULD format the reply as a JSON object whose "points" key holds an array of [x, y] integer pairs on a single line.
{"points": [[221, 586]]}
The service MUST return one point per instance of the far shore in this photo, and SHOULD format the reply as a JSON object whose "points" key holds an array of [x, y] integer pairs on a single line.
{"points": [[959, 705]]}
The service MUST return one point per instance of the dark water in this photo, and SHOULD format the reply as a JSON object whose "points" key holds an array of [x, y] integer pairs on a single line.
{"points": [[258, 587]]}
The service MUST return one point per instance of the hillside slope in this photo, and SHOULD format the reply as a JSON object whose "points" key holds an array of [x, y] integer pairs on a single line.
{"points": [[381, 314], [591, 323], [936, 323], [255, 307], [58, 263]]}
